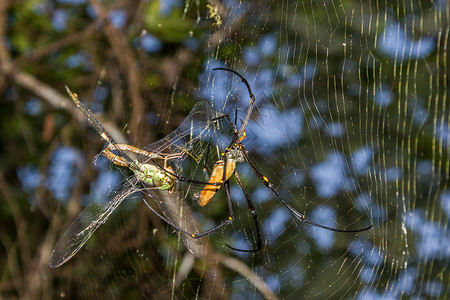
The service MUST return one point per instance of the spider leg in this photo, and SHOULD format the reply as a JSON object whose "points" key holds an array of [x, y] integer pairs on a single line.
{"points": [[240, 134], [230, 211], [170, 223], [226, 116], [199, 235], [298, 215], [205, 172], [254, 215]]}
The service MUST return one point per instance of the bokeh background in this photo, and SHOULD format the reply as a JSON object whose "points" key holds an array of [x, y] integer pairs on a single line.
{"points": [[351, 127]]}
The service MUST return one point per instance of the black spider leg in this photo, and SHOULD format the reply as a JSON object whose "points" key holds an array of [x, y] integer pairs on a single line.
{"points": [[237, 142], [188, 180], [176, 227], [290, 208], [170, 223], [250, 107], [230, 219], [235, 128], [226, 187], [106, 137], [227, 193], [205, 172], [238, 133], [192, 235], [241, 185], [255, 218], [199, 235]]}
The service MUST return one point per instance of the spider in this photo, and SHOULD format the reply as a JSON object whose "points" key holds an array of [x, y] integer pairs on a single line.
{"points": [[225, 168], [158, 180]]}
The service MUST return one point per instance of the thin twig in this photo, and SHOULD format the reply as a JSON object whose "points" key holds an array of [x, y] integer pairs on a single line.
{"points": [[73, 39], [242, 269]]}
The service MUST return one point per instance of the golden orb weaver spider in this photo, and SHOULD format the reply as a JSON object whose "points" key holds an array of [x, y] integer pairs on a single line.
{"points": [[163, 178], [225, 168]]}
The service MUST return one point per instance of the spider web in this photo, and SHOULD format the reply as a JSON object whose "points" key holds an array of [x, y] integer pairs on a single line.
{"points": [[352, 129], [351, 126]]}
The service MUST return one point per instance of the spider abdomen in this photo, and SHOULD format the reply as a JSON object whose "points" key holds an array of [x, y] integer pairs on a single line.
{"points": [[216, 177]]}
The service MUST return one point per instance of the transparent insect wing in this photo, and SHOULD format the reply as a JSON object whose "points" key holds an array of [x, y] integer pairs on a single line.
{"points": [[198, 125], [176, 210], [94, 215]]}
